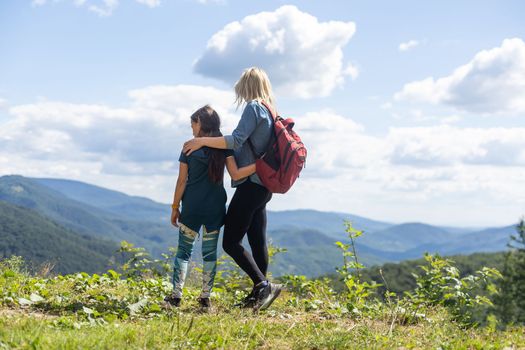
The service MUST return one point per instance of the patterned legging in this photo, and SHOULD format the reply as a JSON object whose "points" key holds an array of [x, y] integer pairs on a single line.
{"points": [[209, 256]]}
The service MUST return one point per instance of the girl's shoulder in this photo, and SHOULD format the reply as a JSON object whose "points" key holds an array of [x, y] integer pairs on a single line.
{"points": [[200, 153], [205, 151]]}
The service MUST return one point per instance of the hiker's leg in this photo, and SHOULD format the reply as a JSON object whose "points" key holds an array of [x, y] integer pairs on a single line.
{"points": [[257, 237], [180, 267], [247, 199], [209, 257]]}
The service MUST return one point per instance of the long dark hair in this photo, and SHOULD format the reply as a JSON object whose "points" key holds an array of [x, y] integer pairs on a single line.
{"points": [[210, 126]]}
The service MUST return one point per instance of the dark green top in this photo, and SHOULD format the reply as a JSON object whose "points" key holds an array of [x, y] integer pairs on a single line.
{"points": [[203, 202]]}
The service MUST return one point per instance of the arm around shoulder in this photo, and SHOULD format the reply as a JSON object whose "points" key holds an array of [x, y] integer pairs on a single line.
{"points": [[194, 144], [215, 142]]}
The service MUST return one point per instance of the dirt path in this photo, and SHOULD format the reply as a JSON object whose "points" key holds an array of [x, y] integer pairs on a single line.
{"points": [[8, 313]]}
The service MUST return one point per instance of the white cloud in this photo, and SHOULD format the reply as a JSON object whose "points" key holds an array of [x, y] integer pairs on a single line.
{"points": [[323, 132], [149, 3], [303, 57], [492, 82], [351, 70], [386, 105], [408, 45], [414, 148], [103, 8], [447, 145], [204, 2], [422, 118]]}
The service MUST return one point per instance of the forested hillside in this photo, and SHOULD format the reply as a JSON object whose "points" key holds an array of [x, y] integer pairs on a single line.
{"points": [[40, 241], [85, 218]]}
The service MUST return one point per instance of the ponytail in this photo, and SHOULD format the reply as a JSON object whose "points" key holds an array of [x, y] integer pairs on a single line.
{"points": [[216, 161]]}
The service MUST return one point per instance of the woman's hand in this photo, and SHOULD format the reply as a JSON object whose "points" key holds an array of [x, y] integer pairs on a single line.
{"points": [[192, 145], [175, 213]]}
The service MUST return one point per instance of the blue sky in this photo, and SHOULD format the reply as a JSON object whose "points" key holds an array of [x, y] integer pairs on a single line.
{"points": [[412, 111]]}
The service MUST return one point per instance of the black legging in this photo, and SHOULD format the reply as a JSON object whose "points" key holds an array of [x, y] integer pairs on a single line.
{"points": [[247, 214]]}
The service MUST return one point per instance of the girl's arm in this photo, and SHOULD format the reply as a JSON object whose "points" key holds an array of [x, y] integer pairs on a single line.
{"points": [[179, 191], [238, 173]]}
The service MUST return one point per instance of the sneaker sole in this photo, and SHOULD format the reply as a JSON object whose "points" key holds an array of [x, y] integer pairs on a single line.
{"points": [[244, 306], [169, 306], [269, 302]]}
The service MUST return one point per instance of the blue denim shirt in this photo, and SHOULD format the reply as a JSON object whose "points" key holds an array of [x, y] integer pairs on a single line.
{"points": [[257, 125]]}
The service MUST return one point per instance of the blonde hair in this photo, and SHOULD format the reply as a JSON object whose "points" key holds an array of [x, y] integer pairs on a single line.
{"points": [[254, 85]]}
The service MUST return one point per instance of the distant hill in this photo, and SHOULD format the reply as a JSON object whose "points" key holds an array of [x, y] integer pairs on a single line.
{"points": [[84, 218], [112, 201], [488, 240], [25, 233], [400, 238], [309, 235], [312, 253], [331, 224]]}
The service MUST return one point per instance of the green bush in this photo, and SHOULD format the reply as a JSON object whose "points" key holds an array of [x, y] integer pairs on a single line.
{"points": [[440, 284]]}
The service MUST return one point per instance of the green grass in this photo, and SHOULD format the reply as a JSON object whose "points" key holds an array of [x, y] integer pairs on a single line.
{"points": [[111, 311], [278, 328]]}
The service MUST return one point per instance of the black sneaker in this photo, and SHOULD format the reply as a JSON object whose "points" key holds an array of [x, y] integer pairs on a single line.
{"points": [[205, 304], [248, 301], [172, 300], [265, 296]]}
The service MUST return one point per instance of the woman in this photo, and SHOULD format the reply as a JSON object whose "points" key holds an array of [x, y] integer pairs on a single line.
{"points": [[247, 210]]}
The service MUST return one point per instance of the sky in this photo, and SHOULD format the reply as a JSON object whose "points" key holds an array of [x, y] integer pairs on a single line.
{"points": [[411, 111]]}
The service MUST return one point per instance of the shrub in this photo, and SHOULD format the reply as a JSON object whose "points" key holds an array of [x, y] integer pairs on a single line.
{"points": [[440, 284]]}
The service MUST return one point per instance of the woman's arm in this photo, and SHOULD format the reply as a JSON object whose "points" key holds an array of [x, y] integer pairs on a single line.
{"points": [[238, 173], [199, 142], [179, 191]]}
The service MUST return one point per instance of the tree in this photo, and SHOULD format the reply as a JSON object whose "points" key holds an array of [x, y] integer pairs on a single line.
{"points": [[511, 301]]}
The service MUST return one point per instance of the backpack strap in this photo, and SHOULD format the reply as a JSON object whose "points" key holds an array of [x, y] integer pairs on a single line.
{"points": [[253, 149], [274, 115]]}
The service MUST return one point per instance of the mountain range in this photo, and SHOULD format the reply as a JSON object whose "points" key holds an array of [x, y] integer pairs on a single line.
{"points": [[78, 209]]}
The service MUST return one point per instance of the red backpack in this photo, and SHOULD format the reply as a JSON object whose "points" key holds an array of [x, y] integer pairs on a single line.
{"points": [[279, 166]]}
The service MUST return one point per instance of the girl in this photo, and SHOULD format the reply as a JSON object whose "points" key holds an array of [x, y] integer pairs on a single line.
{"points": [[200, 188], [247, 210]]}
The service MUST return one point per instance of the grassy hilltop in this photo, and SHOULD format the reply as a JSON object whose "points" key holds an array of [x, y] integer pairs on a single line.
{"points": [[124, 310], [448, 305]]}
